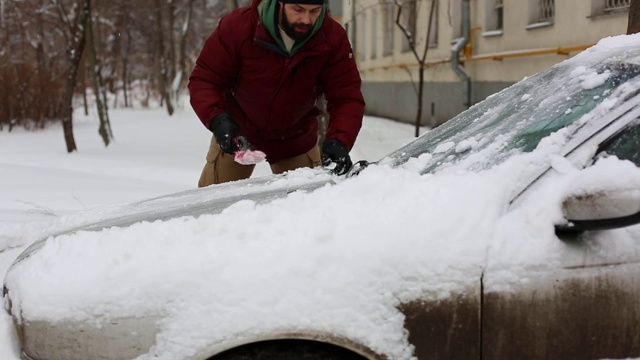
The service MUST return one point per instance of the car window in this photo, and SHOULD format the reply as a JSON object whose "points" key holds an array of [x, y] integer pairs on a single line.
{"points": [[625, 145], [576, 106], [517, 118]]}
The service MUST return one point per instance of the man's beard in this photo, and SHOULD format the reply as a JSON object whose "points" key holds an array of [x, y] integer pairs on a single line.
{"points": [[295, 31]]}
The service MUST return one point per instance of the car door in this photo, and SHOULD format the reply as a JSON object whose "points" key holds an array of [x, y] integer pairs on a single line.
{"points": [[587, 308], [447, 328]]}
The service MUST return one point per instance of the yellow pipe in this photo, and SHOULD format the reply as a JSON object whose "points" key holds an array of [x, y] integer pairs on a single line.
{"points": [[563, 50], [468, 50], [499, 56]]}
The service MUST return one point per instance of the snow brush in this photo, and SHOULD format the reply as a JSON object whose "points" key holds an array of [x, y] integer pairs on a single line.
{"points": [[246, 154]]}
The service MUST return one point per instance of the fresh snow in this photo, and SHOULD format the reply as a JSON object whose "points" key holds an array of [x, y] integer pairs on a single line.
{"points": [[344, 255]]}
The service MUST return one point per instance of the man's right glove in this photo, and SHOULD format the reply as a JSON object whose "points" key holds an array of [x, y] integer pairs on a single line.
{"points": [[225, 130], [334, 152]]}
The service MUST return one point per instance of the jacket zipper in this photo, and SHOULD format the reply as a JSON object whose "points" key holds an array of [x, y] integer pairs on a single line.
{"points": [[289, 64]]}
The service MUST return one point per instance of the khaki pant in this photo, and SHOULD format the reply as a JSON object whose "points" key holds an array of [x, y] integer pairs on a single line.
{"points": [[221, 167]]}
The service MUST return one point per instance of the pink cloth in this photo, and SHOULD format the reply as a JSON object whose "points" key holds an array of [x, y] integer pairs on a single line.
{"points": [[249, 157]]}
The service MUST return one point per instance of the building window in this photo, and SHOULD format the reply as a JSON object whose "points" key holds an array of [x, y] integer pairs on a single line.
{"points": [[494, 18], [541, 13], [613, 5], [389, 25], [433, 34], [546, 11], [499, 14], [455, 19], [602, 7]]}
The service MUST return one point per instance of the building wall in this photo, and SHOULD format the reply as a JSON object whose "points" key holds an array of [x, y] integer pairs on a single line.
{"points": [[335, 9], [494, 59]]}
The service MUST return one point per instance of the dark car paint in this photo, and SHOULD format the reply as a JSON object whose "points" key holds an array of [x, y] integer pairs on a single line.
{"points": [[579, 314]]}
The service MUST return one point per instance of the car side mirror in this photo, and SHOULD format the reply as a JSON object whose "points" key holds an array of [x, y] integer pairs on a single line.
{"points": [[602, 210]]}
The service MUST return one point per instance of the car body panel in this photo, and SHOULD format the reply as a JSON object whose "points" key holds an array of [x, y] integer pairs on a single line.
{"points": [[119, 338], [448, 328], [578, 313]]}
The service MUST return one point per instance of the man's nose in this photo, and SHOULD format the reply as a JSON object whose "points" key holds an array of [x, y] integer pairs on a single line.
{"points": [[306, 18]]}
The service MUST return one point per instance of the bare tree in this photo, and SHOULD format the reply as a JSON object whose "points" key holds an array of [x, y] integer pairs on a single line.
{"points": [[75, 49], [163, 69], [171, 20], [634, 17], [29, 63], [98, 86], [181, 73], [409, 34], [133, 52]]}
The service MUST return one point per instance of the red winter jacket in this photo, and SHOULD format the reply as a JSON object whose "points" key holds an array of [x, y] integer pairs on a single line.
{"points": [[272, 96]]}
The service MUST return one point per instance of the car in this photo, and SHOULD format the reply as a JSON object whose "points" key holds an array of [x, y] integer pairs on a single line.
{"points": [[508, 232]]}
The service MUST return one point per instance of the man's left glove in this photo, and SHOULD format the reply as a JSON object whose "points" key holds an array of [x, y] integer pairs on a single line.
{"points": [[333, 151], [225, 130]]}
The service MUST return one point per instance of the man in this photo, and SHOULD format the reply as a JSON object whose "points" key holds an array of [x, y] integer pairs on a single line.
{"points": [[259, 77]]}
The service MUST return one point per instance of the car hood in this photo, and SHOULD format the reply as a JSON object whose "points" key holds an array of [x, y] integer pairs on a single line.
{"points": [[338, 260], [194, 202]]}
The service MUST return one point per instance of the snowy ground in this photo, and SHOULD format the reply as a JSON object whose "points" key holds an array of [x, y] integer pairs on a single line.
{"points": [[152, 154]]}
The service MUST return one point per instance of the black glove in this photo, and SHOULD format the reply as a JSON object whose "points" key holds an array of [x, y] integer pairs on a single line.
{"points": [[334, 152], [225, 129]]}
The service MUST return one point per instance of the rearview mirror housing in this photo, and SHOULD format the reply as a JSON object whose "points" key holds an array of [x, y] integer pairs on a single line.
{"points": [[601, 210]]}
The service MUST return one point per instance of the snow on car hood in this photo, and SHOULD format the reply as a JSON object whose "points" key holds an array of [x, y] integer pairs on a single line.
{"points": [[337, 260]]}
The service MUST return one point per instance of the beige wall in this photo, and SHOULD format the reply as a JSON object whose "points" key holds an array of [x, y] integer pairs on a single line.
{"points": [[576, 25], [573, 26]]}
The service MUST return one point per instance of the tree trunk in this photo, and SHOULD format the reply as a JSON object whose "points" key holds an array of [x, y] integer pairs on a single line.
{"points": [[125, 79], [182, 61], [125, 67], [420, 92], [98, 87], [411, 39], [75, 50], [634, 17], [41, 74], [162, 74], [171, 71], [83, 81]]}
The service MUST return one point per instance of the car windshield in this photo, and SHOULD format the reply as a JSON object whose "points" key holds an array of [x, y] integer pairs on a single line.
{"points": [[516, 119]]}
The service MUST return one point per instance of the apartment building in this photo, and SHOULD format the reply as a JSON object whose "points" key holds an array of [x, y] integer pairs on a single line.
{"points": [[474, 49]]}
